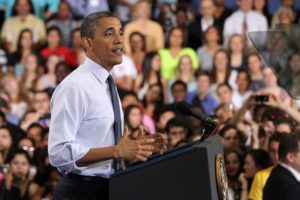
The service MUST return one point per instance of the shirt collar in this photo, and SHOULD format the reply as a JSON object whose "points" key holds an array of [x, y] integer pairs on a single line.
{"points": [[99, 72], [292, 170]]}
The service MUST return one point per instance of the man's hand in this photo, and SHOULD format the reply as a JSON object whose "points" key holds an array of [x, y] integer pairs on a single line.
{"points": [[160, 142], [139, 149]]}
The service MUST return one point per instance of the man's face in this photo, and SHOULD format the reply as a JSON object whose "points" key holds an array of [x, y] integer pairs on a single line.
{"points": [[41, 103], [106, 46], [224, 94], [296, 160], [207, 8], [245, 5], [23, 7], [242, 81], [203, 84], [179, 93], [273, 152], [176, 134]]}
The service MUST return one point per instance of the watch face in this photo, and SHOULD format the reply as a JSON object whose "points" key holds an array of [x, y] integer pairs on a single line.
{"points": [[222, 183]]}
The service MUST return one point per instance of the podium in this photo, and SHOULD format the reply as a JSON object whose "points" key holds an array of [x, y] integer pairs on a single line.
{"points": [[191, 172]]}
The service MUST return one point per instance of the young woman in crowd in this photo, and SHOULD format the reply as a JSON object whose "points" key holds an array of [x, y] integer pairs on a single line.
{"points": [[137, 43], [207, 51], [236, 47], [173, 51], [25, 47]]}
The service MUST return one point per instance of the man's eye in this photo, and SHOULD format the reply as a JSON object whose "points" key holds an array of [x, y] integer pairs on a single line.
{"points": [[108, 34]]}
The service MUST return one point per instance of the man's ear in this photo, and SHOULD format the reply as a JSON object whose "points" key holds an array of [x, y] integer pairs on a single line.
{"points": [[290, 157], [86, 43]]}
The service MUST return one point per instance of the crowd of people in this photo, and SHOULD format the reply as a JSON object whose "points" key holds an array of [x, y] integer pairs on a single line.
{"points": [[174, 51]]}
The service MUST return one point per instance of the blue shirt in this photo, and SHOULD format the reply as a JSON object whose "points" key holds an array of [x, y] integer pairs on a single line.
{"points": [[82, 117], [83, 8], [209, 103]]}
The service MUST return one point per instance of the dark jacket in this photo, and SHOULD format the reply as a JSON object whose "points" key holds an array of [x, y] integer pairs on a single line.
{"points": [[281, 185]]}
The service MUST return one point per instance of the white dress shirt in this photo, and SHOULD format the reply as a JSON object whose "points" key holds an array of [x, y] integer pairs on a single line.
{"points": [[82, 117], [234, 24], [292, 170]]}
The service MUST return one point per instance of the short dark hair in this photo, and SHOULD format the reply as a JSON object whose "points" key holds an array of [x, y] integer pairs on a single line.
{"points": [[89, 23], [179, 82], [276, 137], [288, 144], [176, 122], [261, 158], [54, 28]]}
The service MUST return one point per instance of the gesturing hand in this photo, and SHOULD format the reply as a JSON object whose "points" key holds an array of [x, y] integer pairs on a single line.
{"points": [[160, 142], [139, 149]]}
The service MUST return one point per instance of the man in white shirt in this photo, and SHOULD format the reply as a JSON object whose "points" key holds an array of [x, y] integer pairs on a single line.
{"points": [[85, 138], [243, 21], [284, 181]]}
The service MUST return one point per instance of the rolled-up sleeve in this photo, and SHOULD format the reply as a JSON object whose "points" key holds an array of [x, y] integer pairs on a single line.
{"points": [[67, 112]]}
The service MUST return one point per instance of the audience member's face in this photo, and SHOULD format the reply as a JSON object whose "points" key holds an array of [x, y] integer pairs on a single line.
{"points": [[296, 160], [242, 81], [203, 84], [129, 99], [143, 10], [273, 152], [35, 133], [232, 164], [207, 8], [41, 103], [27, 145], [23, 7], [250, 167], [181, 19], [245, 5], [135, 118], [136, 43], [52, 62], [31, 64], [212, 35], [154, 94], [221, 61], [53, 39], [26, 40], [64, 11], [295, 63], [5, 139], [20, 166], [76, 39], [164, 118], [176, 134], [176, 38], [224, 95], [155, 63], [254, 64], [186, 65], [230, 139], [259, 4], [283, 128], [236, 43], [179, 93], [61, 72]]}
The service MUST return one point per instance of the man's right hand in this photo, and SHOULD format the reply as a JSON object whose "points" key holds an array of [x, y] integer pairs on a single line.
{"points": [[132, 150]]}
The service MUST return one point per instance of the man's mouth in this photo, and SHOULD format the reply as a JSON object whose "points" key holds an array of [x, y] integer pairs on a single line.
{"points": [[118, 51]]}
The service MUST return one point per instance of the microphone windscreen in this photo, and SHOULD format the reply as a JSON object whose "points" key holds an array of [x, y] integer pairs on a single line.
{"points": [[184, 108]]}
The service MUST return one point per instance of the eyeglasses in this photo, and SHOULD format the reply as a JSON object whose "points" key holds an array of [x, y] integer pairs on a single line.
{"points": [[29, 149]]}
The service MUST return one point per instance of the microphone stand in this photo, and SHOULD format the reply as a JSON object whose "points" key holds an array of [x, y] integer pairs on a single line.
{"points": [[208, 127]]}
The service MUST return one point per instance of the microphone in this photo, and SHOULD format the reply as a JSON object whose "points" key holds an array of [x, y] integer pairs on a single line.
{"points": [[189, 110], [208, 124]]}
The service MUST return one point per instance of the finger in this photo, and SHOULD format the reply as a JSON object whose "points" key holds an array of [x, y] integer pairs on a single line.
{"points": [[145, 154], [140, 158], [125, 134], [147, 148], [146, 141], [141, 131]]}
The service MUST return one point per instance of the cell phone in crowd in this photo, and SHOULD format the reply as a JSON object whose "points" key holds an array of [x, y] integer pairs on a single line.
{"points": [[261, 98]]}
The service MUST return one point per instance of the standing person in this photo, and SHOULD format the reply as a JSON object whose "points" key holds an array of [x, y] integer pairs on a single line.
{"points": [[284, 181], [85, 139]]}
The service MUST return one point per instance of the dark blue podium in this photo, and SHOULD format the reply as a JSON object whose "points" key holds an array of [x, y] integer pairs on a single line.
{"points": [[192, 172]]}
